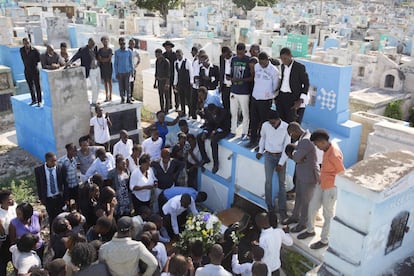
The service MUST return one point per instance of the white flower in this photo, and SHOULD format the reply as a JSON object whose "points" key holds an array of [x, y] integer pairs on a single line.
{"points": [[198, 228]]}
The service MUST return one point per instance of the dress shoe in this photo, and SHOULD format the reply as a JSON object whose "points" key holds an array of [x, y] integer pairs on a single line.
{"points": [[129, 101], [290, 220], [231, 135], [215, 169], [305, 235], [298, 228], [318, 245], [33, 103], [205, 161], [122, 101]]}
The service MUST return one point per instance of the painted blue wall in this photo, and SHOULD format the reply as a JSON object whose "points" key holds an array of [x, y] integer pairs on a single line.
{"points": [[10, 56], [330, 43]]}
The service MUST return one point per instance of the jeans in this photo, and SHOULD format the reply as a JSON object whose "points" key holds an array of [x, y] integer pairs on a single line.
{"points": [[270, 163], [33, 81], [124, 86], [326, 198]]}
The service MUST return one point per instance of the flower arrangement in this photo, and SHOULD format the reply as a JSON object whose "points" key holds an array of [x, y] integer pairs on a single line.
{"points": [[204, 227]]}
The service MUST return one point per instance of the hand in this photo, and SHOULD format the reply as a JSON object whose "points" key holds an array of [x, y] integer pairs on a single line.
{"points": [[203, 136], [258, 156], [279, 168], [155, 185], [155, 85], [190, 264], [286, 229], [297, 104], [113, 202], [255, 243], [235, 250]]}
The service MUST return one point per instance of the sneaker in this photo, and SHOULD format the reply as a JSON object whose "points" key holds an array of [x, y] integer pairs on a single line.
{"points": [[305, 235], [215, 169], [318, 245], [231, 135]]}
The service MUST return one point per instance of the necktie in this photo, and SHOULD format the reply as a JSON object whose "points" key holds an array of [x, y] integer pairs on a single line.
{"points": [[52, 181]]}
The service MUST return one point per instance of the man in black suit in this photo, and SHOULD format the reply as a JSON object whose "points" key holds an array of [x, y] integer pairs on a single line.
{"points": [[172, 57], [217, 127], [88, 56], [209, 73], [293, 88], [225, 70], [52, 188], [31, 57]]}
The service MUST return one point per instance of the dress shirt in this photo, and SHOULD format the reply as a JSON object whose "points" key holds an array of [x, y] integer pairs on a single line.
{"points": [[71, 167], [227, 71], [332, 164], [211, 269], [179, 190], [153, 148], [271, 240], [196, 72], [188, 66], [160, 253], [274, 140], [286, 78], [6, 216], [100, 129], [266, 81], [30, 58], [131, 164], [213, 98], [122, 256], [49, 192], [174, 209], [244, 269], [123, 148], [123, 62], [102, 168], [139, 179]]}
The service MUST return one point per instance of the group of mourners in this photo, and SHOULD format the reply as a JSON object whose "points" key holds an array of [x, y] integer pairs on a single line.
{"points": [[112, 209]]}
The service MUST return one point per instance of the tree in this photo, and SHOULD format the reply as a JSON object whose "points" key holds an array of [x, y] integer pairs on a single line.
{"points": [[158, 5], [247, 5]]}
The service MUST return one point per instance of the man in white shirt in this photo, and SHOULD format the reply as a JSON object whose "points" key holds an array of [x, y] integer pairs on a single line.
{"points": [[245, 269], [271, 240], [124, 145], [152, 145], [266, 81], [175, 207], [122, 254], [103, 163], [216, 256], [273, 140], [183, 79], [99, 128]]}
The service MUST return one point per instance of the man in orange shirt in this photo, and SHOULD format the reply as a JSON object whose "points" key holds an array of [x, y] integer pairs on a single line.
{"points": [[325, 193]]}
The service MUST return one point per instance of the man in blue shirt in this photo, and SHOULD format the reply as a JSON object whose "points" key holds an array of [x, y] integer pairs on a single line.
{"points": [[123, 69], [169, 193]]}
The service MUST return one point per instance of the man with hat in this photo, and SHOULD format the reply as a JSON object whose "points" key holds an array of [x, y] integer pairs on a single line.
{"points": [[273, 140], [122, 255], [172, 57]]}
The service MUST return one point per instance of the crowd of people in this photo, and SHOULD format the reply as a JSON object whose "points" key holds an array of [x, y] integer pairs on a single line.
{"points": [[113, 211]]}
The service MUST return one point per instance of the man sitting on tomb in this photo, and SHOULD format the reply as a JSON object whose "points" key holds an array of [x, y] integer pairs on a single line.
{"points": [[50, 59]]}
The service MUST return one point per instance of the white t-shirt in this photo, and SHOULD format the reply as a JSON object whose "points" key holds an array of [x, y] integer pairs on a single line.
{"points": [[153, 148], [6, 216], [100, 129], [266, 81], [123, 148], [23, 261]]}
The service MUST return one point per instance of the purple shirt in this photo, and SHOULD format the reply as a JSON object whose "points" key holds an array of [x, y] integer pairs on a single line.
{"points": [[32, 228]]}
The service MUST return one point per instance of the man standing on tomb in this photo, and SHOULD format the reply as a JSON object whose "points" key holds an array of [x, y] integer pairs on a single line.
{"points": [[89, 59], [225, 70], [172, 57], [306, 171], [183, 80], [162, 80], [136, 59], [325, 192], [99, 128], [31, 58], [50, 59], [273, 140], [293, 88], [194, 90], [123, 70], [105, 65]]}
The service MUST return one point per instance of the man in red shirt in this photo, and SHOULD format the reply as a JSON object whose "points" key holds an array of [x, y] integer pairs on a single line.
{"points": [[325, 193]]}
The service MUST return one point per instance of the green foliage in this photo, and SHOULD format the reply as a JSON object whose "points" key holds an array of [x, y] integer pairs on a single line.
{"points": [[294, 264], [158, 5], [394, 110], [247, 5], [22, 188]]}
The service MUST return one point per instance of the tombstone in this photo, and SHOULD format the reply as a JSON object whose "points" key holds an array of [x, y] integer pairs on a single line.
{"points": [[6, 88], [6, 35], [62, 118], [378, 236], [36, 35], [90, 18], [57, 31]]}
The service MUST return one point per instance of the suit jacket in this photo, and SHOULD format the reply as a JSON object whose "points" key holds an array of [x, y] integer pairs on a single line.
{"points": [[221, 121], [41, 181], [298, 81], [85, 57], [307, 168], [213, 74]]}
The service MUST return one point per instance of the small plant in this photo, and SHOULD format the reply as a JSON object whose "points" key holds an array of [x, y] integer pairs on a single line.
{"points": [[394, 110], [22, 188], [294, 263]]}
